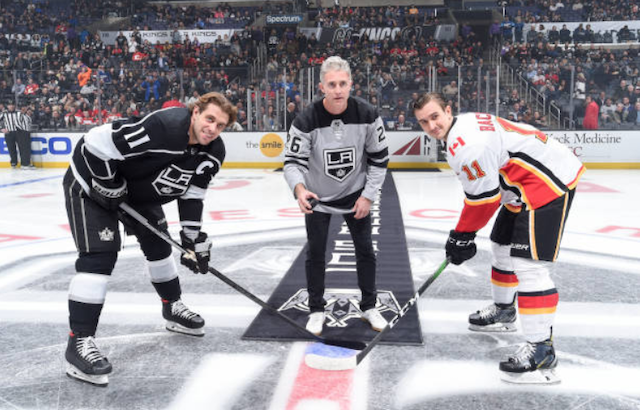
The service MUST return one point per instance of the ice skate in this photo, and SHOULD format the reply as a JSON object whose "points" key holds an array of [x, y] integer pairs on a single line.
{"points": [[494, 318], [533, 363], [375, 319], [315, 322], [181, 319], [85, 362]]}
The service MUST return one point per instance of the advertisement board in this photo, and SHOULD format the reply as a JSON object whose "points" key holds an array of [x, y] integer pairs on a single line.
{"points": [[407, 149]]}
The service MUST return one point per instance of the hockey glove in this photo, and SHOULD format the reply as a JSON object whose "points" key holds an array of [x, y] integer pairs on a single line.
{"points": [[198, 252], [460, 246], [109, 194]]}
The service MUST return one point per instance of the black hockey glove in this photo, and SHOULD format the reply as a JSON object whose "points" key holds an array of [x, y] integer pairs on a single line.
{"points": [[109, 194], [198, 252], [460, 246]]}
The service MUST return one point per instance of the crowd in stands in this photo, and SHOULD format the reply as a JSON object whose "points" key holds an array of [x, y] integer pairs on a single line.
{"points": [[391, 16], [69, 77], [529, 11]]}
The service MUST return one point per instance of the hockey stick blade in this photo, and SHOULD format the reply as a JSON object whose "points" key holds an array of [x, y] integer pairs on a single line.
{"points": [[342, 361], [349, 344]]}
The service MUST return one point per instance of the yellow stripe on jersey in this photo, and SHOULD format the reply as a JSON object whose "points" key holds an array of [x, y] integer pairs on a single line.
{"points": [[483, 201], [513, 208], [574, 183], [542, 176]]}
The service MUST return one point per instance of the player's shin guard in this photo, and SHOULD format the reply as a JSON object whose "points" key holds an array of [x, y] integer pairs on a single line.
{"points": [[85, 362]]}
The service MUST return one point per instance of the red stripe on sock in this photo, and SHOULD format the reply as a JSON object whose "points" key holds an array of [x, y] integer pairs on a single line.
{"points": [[536, 302]]}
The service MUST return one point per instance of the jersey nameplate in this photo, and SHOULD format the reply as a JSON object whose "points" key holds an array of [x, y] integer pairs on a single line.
{"points": [[339, 163]]}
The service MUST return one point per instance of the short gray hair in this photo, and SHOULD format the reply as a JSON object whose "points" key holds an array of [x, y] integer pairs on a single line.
{"points": [[334, 63]]}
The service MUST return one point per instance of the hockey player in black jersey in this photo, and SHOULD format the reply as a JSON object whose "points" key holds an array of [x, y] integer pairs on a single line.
{"points": [[337, 154], [170, 154]]}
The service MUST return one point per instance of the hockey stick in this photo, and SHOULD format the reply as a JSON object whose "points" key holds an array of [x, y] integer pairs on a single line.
{"points": [[341, 343], [344, 362]]}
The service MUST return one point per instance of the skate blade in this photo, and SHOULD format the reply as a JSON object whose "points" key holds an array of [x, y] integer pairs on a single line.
{"points": [[178, 328], [100, 380], [546, 376], [495, 328]]}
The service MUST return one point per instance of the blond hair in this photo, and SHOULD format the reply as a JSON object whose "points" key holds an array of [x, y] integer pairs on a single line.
{"points": [[218, 99]]}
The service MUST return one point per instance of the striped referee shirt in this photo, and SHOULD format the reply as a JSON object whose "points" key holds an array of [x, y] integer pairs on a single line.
{"points": [[15, 121]]}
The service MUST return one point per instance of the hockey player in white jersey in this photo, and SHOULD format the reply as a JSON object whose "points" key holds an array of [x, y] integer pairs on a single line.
{"points": [[532, 179], [337, 154], [169, 155]]}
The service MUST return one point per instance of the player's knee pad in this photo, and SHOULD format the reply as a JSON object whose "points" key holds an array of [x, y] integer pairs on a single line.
{"points": [[96, 262], [533, 275], [163, 270], [88, 288], [153, 247], [501, 257]]}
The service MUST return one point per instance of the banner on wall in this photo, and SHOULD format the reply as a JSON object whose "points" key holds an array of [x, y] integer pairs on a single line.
{"points": [[440, 32], [407, 149], [166, 36]]}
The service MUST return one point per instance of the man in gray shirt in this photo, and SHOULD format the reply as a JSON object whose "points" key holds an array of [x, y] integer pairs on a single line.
{"points": [[337, 156]]}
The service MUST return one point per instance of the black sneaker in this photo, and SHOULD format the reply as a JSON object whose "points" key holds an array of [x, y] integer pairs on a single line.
{"points": [[85, 362], [182, 320], [533, 363], [494, 318]]}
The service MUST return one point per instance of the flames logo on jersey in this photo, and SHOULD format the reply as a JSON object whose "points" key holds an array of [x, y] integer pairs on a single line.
{"points": [[339, 163], [342, 304], [172, 181]]}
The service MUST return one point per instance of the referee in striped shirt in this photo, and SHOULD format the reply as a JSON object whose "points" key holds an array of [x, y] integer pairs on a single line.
{"points": [[16, 128]]}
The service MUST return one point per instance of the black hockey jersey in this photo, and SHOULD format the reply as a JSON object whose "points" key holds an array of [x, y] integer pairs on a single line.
{"points": [[152, 154]]}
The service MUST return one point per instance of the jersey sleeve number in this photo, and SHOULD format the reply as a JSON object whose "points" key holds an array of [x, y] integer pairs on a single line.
{"points": [[381, 136], [295, 145], [475, 172], [509, 126]]}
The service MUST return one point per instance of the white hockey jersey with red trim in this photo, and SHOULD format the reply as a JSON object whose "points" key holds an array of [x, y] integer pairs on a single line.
{"points": [[499, 161]]}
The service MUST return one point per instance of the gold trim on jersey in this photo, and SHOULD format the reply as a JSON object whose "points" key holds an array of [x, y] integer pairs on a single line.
{"points": [[483, 201]]}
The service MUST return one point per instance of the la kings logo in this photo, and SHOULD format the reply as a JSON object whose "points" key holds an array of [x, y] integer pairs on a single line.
{"points": [[342, 304], [339, 163], [172, 181]]}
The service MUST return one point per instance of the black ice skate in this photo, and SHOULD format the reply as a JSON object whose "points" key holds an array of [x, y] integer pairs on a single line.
{"points": [[85, 362], [182, 320], [494, 318], [533, 363]]}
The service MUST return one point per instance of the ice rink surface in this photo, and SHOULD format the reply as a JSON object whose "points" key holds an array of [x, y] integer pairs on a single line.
{"points": [[257, 232]]}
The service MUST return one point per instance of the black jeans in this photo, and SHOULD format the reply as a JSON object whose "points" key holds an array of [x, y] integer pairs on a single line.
{"points": [[317, 225]]}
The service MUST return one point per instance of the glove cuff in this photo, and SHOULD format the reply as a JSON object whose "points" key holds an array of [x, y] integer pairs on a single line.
{"points": [[462, 236], [111, 189]]}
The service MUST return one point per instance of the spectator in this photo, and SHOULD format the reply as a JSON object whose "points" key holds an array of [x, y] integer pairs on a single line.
{"points": [[18, 88], [84, 76], [591, 114], [401, 124], [606, 111]]}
